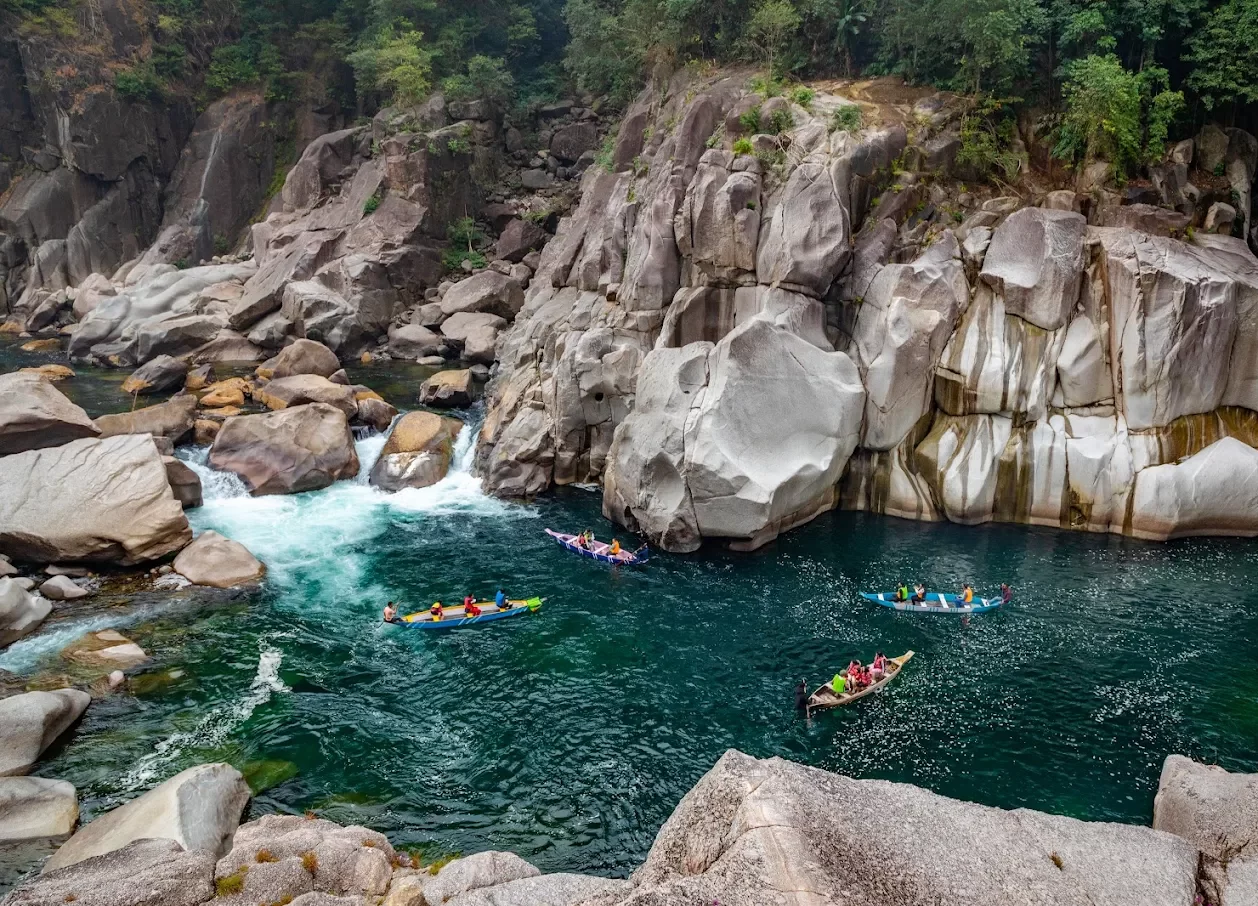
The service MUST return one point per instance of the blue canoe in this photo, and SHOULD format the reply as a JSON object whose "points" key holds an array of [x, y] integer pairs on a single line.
{"points": [[599, 551], [454, 618], [935, 603]]}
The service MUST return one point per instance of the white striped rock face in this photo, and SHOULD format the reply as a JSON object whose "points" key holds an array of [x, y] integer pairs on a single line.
{"points": [[1018, 366]]}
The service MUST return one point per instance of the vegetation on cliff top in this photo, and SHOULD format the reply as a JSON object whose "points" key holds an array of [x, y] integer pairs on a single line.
{"points": [[1116, 76]]}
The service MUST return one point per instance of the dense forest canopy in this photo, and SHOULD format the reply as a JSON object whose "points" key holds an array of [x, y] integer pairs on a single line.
{"points": [[1116, 77]]}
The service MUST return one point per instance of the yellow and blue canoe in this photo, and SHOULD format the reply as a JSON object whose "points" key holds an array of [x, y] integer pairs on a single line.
{"points": [[935, 603], [454, 618]]}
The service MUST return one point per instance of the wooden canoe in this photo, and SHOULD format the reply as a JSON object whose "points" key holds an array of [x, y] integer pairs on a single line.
{"points": [[825, 698], [601, 551], [935, 603]]}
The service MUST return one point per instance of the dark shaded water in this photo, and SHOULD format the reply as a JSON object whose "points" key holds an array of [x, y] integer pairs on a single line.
{"points": [[570, 735]]}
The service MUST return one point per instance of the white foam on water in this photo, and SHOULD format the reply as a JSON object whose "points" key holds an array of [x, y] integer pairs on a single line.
{"points": [[215, 727], [25, 655]]}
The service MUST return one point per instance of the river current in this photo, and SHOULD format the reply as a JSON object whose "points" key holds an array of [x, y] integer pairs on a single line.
{"points": [[568, 736]]}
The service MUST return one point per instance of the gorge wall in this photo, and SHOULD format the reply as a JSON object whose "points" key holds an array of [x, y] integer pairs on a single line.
{"points": [[733, 342]]}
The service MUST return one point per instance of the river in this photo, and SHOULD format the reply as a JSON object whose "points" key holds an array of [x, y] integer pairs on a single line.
{"points": [[568, 736]]}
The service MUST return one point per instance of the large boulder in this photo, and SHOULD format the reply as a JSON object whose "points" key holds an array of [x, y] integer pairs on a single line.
{"points": [[34, 808], [172, 419], [488, 291], [1217, 812], [448, 389], [518, 238], [184, 482], [21, 612], [301, 448], [31, 722], [306, 357], [476, 333], [35, 414], [62, 588], [145, 873], [157, 376], [102, 500], [751, 829], [570, 142], [198, 808], [536, 890], [217, 561], [300, 389], [414, 341], [479, 871], [279, 857], [417, 453]]}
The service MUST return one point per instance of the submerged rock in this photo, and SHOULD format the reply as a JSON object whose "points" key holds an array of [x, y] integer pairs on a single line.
{"points": [[301, 448], [33, 808], [417, 453], [34, 414], [107, 649], [20, 611], [32, 721], [199, 809], [90, 500], [220, 562]]}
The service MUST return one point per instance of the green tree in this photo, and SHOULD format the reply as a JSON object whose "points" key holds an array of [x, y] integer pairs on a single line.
{"points": [[486, 79], [1102, 115], [771, 28], [394, 61], [1224, 54]]}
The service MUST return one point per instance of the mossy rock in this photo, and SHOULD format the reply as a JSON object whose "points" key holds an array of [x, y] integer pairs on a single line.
{"points": [[264, 775]]}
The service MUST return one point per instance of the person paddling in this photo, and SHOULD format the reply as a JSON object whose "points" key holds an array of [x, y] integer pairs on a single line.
{"points": [[967, 594], [437, 611], [500, 600], [919, 593], [902, 593], [1006, 593], [390, 613]]}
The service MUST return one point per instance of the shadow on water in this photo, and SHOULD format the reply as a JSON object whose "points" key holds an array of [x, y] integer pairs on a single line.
{"points": [[570, 735]]}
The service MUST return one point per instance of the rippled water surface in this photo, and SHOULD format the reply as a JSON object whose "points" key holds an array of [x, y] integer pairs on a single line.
{"points": [[568, 736]]}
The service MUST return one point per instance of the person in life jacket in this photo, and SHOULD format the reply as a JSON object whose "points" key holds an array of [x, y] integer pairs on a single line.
{"points": [[902, 593], [615, 548], [500, 600], [967, 594], [471, 610], [437, 611]]}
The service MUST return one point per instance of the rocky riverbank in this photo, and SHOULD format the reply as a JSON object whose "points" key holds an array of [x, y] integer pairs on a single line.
{"points": [[750, 833]]}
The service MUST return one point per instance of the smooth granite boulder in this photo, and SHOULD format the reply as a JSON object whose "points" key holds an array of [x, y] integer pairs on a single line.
{"points": [[34, 808], [198, 808], [417, 453], [21, 611], [219, 562], [306, 357], [97, 500], [145, 873]]}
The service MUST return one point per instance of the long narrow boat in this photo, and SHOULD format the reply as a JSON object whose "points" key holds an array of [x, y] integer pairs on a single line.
{"points": [[825, 697], [935, 603], [600, 551], [454, 617]]}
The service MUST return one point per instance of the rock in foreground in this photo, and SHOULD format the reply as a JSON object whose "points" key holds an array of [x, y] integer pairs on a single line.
{"points": [[146, 873], [217, 561], [102, 500], [35, 414], [198, 808], [301, 448], [752, 829], [31, 722]]}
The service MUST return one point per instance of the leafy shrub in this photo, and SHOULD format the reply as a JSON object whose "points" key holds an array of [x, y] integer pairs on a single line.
{"points": [[607, 153], [743, 146], [803, 96], [846, 119], [750, 121], [139, 83], [230, 66], [486, 79], [370, 205], [453, 259], [987, 141], [222, 245], [781, 121]]}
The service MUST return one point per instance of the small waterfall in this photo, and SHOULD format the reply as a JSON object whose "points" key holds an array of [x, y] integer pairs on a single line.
{"points": [[215, 485], [209, 162], [464, 450], [368, 449]]}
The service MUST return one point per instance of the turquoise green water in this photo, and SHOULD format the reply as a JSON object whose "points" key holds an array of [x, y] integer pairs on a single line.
{"points": [[569, 736]]}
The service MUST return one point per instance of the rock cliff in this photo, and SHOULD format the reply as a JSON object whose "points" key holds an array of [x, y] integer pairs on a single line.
{"points": [[733, 341]]}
